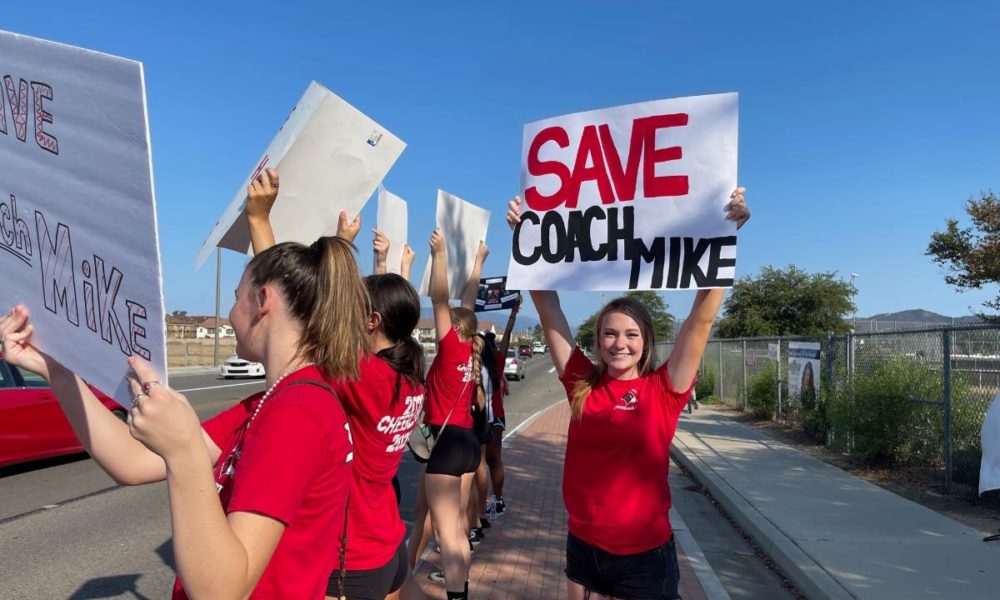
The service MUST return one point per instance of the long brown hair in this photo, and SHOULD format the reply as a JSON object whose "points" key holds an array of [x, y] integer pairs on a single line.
{"points": [[324, 291], [637, 311], [468, 324]]}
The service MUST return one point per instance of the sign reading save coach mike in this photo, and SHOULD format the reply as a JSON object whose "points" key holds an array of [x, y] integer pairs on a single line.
{"points": [[78, 239], [629, 198]]}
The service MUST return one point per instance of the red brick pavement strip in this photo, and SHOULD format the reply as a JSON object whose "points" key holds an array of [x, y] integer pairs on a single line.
{"points": [[523, 555]]}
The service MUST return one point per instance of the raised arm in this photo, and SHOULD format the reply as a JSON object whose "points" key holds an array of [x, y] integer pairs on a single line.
{"points": [[381, 248], [261, 194], [554, 324], [472, 285], [406, 261], [103, 435], [347, 228], [439, 285], [509, 330], [693, 336]]}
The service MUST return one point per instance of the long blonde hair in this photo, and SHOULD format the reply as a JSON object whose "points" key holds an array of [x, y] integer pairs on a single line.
{"points": [[468, 324], [324, 291], [637, 311]]}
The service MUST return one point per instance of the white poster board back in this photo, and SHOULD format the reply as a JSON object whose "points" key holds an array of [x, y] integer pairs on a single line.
{"points": [[463, 226]]}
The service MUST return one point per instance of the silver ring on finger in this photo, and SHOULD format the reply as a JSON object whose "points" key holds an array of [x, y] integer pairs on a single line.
{"points": [[147, 386], [137, 398]]}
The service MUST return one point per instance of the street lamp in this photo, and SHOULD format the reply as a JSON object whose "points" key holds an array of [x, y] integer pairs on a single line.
{"points": [[855, 294]]}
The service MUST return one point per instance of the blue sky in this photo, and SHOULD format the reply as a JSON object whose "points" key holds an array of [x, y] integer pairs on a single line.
{"points": [[863, 125]]}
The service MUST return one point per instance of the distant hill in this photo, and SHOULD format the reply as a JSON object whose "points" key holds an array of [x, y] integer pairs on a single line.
{"points": [[918, 315]]}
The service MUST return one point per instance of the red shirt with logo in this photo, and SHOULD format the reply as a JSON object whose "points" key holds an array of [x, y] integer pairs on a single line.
{"points": [[295, 466], [615, 475], [381, 419], [449, 377]]}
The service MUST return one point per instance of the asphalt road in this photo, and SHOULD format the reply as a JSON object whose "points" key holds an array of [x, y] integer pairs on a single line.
{"points": [[67, 531]]}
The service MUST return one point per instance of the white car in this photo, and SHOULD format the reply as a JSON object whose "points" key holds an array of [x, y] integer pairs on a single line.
{"points": [[513, 368], [234, 366], [539, 348]]}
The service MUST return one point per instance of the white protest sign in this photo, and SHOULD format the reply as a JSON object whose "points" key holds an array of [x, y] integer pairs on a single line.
{"points": [[463, 226], [803, 369], [77, 213], [329, 157], [989, 466], [629, 198], [392, 221]]}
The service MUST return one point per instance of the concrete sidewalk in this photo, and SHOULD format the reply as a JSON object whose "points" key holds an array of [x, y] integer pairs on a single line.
{"points": [[833, 534], [523, 555]]}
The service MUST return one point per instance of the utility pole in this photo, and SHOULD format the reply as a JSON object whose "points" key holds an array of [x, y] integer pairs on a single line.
{"points": [[218, 295]]}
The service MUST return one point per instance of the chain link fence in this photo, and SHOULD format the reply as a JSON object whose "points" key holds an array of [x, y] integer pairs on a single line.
{"points": [[902, 397]]}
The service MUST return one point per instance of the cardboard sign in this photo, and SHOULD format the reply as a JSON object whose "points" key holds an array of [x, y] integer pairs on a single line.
{"points": [[392, 221], [772, 351], [629, 198], [463, 226], [494, 295], [989, 465], [803, 370], [329, 156], [77, 214]]}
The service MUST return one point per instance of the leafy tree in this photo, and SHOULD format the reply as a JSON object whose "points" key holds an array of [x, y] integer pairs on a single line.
{"points": [[537, 334], [585, 333], [179, 313], [971, 255], [663, 321], [787, 302]]}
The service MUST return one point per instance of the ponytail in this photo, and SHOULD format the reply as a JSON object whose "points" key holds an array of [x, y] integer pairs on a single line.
{"points": [[477, 371], [398, 305], [323, 290]]}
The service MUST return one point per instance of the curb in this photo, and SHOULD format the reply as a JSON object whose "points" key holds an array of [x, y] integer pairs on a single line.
{"points": [[808, 575], [710, 584]]}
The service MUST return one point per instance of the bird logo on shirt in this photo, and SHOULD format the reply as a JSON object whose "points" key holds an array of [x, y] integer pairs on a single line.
{"points": [[629, 401]]}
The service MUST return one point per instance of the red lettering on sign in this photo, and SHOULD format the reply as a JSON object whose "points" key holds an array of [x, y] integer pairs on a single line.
{"points": [[598, 160]]}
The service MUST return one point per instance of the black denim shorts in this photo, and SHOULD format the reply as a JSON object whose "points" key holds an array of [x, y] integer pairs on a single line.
{"points": [[374, 584], [650, 575]]}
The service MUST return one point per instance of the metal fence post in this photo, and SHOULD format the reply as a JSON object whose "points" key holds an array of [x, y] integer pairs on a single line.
{"points": [[779, 380], [744, 375], [722, 371], [946, 342]]}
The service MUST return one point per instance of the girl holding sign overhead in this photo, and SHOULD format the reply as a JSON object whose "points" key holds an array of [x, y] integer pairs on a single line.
{"points": [[625, 413], [257, 493], [382, 406]]}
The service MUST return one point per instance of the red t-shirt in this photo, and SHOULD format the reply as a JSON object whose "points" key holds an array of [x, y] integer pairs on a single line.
{"points": [[500, 390], [449, 377], [295, 467], [380, 422], [615, 476]]}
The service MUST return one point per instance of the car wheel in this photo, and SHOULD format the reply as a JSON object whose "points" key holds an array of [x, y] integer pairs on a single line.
{"points": [[227, 376], [522, 376]]}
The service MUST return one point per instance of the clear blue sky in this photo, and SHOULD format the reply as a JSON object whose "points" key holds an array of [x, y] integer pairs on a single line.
{"points": [[863, 125]]}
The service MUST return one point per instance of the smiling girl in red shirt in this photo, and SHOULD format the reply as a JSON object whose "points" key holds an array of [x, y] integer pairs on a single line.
{"points": [[625, 413]]}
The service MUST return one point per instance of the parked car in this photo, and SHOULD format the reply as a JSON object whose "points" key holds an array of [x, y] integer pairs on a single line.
{"points": [[32, 425], [513, 368], [525, 350], [539, 348], [234, 366]]}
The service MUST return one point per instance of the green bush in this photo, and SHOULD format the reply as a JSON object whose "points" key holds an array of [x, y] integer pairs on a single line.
{"points": [[706, 384], [762, 393], [888, 426]]}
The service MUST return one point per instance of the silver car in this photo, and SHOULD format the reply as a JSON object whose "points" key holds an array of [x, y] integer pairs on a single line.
{"points": [[513, 368]]}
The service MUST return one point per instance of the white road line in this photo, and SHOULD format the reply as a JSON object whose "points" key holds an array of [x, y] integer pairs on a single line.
{"points": [[219, 387], [552, 370]]}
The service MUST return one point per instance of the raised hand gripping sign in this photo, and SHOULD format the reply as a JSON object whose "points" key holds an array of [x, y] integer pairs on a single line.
{"points": [[78, 237], [629, 198], [330, 157]]}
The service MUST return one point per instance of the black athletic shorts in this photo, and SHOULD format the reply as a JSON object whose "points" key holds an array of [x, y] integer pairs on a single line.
{"points": [[374, 584], [650, 575], [456, 451]]}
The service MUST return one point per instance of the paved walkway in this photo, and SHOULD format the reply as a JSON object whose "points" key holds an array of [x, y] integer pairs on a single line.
{"points": [[523, 555], [833, 534]]}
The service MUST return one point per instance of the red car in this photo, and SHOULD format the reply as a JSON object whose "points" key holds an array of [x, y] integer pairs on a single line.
{"points": [[525, 350], [32, 425]]}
